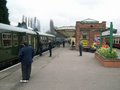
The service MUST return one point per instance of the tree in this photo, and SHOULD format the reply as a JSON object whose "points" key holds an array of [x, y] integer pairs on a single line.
{"points": [[36, 24], [4, 12]]}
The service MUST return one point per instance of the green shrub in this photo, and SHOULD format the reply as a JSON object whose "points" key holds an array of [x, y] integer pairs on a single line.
{"points": [[106, 53]]}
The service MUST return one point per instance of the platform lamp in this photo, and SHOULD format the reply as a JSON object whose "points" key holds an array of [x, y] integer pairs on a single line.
{"points": [[111, 36]]}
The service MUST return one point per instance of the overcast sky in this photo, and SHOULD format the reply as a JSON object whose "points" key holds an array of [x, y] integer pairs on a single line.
{"points": [[65, 12]]}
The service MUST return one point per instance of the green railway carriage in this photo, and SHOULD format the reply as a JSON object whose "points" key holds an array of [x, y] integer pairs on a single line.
{"points": [[43, 38], [11, 39]]}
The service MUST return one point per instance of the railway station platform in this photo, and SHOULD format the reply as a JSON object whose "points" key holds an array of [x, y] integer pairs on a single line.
{"points": [[65, 70]]}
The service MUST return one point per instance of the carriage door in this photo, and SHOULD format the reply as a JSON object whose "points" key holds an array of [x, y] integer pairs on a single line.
{"points": [[29, 40], [34, 43]]}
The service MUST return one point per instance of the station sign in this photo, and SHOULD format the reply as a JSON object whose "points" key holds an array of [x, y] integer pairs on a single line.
{"points": [[105, 33]]}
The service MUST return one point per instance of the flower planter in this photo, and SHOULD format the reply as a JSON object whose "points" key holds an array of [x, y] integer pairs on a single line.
{"points": [[107, 62]]}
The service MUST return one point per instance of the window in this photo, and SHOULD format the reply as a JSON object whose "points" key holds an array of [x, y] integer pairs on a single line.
{"points": [[84, 35], [41, 38], [7, 39], [119, 40], [24, 39], [15, 39], [0, 41], [114, 41]]}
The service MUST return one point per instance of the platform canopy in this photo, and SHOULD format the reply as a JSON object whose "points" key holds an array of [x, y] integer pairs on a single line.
{"points": [[66, 31]]}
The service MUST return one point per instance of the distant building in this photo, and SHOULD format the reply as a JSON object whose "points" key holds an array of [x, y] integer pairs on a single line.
{"points": [[88, 29]]}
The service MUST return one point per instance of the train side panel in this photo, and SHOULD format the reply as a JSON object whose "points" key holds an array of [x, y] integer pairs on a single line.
{"points": [[44, 38], [9, 45], [116, 42], [11, 40]]}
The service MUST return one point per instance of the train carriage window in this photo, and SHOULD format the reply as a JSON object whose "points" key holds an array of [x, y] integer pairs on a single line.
{"points": [[29, 39], [0, 40], [15, 39], [45, 39], [7, 39], [41, 38], [116, 41], [24, 39]]}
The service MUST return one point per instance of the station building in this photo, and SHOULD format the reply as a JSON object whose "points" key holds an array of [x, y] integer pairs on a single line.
{"points": [[88, 29]]}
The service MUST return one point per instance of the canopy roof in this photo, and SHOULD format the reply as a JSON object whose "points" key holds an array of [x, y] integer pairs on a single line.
{"points": [[66, 31], [66, 28]]}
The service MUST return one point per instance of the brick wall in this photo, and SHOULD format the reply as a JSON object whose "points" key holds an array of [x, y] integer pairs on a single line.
{"points": [[90, 28]]}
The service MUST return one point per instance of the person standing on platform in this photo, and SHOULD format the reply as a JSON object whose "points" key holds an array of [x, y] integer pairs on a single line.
{"points": [[26, 55], [80, 48], [50, 47], [40, 46], [73, 43], [63, 43]]}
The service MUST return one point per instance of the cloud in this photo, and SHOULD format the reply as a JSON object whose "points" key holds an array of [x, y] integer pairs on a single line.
{"points": [[65, 12]]}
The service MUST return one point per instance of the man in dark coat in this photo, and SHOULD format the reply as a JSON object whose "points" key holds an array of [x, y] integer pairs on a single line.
{"points": [[63, 43], [26, 55], [80, 48], [40, 46], [50, 47]]}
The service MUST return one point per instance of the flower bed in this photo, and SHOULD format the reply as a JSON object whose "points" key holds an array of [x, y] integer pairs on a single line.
{"points": [[107, 62]]}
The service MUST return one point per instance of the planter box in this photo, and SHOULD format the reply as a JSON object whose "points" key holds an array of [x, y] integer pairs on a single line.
{"points": [[107, 62]]}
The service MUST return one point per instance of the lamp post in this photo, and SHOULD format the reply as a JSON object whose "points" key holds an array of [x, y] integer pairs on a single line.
{"points": [[111, 36]]}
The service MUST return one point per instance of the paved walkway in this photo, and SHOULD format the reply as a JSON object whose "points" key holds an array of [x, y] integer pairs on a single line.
{"points": [[66, 70]]}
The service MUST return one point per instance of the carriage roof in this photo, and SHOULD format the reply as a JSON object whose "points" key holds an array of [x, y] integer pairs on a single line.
{"points": [[46, 34], [4, 27]]}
